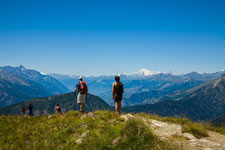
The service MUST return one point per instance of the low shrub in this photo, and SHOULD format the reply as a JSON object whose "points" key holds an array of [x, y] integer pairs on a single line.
{"points": [[136, 136], [197, 129]]}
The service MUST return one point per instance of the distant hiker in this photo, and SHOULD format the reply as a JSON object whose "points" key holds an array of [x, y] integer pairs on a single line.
{"points": [[30, 108], [57, 109], [23, 110], [117, 94], [82, 90]]}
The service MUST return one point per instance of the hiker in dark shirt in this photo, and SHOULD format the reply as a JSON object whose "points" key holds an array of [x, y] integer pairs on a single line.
{"points": [[117, 94], [30, 108]]}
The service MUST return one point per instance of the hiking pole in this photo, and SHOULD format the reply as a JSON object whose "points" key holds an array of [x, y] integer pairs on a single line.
{"points": [[73, 101], [73, 105]]}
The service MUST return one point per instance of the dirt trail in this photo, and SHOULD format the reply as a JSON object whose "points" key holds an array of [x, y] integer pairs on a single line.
{"points": [[170, 131], [216, 137]]}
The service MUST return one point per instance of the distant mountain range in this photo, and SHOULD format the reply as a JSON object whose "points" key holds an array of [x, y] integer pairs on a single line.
{"points": [[18, 84], [193, 95], [66, 101], [142, 87], [203, 102]]}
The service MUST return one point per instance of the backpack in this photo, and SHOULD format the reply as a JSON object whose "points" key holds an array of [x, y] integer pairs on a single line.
{"points": [[83, 87], [58, 109], [118, 91]]}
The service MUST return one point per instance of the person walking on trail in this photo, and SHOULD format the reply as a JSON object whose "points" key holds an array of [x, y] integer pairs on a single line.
{"points": [[117, 94], [57, 109], [23, 110], [30, 108], [82, 90]]}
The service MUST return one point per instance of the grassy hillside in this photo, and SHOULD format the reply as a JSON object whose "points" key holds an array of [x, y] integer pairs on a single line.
{"points": [[74, 130], [66, 101]]}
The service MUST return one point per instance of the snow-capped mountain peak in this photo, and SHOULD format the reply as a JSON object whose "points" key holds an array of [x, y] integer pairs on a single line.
{"points": [[42, 73], [146, 72]]}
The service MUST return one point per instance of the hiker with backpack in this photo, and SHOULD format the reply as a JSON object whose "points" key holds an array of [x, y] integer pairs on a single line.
{"points": [[117, 93], [82, 90], [30, 108], [57, 109]]}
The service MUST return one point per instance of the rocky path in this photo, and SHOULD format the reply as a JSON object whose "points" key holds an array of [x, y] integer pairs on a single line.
{"points": [[173, 132]]}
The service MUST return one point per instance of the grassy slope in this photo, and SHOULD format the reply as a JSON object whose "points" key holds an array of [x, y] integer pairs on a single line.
{"points": [[99, 131]]}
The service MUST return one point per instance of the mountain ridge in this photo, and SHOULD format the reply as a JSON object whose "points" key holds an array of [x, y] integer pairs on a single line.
{"points": [[101, 85], [18, 84], [203, 102]]}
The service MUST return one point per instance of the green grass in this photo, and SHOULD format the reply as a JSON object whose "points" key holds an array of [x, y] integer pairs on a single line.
{"points": [[99, 131], [220, 130], [136, 136], [181, 121]]}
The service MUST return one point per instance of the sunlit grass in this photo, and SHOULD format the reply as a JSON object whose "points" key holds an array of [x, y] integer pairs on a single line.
{"points": [[99, 130]]}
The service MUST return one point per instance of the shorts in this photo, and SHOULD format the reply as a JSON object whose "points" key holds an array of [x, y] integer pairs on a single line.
{"points": [[117, 98], [81, 98]]}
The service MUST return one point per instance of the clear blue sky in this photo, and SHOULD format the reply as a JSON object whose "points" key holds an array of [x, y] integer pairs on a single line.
{"points": [[92, 37]]}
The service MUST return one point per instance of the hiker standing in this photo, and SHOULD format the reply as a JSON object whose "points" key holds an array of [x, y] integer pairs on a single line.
{"points": [[23, 110], [30, 108], [82, 90], [117, 93], [57, 109]]}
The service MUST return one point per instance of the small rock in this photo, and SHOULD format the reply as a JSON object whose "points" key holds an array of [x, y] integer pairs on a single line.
{"points": [[163, 129], [84, 116], [84, 134], [91, 114], [116, 140], [78, 141], [189, 136], [127, 116]]}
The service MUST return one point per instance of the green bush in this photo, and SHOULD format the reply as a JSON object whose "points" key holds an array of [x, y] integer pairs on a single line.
{"points": [[136, 136], [197, 129]]}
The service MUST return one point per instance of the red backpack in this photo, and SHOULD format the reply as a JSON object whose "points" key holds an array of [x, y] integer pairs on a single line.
{"points": [[83, 87]]}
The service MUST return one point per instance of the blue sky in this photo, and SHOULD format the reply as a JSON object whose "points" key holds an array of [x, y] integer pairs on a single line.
{"points": [[89, 37]]}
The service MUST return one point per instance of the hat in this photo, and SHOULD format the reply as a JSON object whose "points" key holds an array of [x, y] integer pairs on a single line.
{"points": [[80, 78]]}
